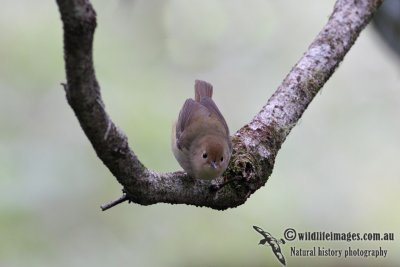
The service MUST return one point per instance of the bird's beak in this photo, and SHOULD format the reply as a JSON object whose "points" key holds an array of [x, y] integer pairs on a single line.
{"points": [[213, 164]]}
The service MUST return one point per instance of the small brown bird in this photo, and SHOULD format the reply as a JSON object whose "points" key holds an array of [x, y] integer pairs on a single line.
{"points": [[200, 138]]}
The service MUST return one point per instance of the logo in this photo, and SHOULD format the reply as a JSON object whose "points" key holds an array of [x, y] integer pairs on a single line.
{"points": [[273, 242]]}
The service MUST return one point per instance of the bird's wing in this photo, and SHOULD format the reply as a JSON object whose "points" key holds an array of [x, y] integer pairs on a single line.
{"points": [[203, 94], [189, 111], [212, 107], [279, 256], [261, 231], [277, 251]]}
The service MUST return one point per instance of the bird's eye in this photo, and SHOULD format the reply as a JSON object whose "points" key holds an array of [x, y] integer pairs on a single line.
{"points": [[205, 155], [222, 159]]}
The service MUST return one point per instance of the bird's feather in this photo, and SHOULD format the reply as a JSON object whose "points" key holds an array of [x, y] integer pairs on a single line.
{"points": [[185, 116], [202, 89], [212, 107]]}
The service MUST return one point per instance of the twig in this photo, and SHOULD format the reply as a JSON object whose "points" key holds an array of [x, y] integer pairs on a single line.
{"points": [[113, 203]]}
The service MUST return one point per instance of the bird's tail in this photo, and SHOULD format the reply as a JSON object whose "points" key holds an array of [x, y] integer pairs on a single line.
{"points": [[202, 89]]}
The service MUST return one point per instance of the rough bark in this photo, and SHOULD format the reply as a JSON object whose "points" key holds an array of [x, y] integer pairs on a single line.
{"points": [[255, 145]]}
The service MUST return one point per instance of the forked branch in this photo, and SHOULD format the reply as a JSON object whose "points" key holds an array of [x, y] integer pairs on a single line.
{"points": [[255, 144]]}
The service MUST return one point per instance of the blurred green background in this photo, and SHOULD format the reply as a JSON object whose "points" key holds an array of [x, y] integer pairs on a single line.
{"points": [[337, 171]]}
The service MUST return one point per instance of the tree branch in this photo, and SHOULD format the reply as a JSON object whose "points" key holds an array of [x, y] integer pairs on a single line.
{"points": [[113, 203], [255, 145]]}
